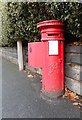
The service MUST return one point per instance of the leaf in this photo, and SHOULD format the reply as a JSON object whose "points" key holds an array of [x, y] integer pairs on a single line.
{"points": [[72, 96], [34, 75], [30, 76], [76, 97], [75, 103], [66, 94], [41, 80], [80, 104]]}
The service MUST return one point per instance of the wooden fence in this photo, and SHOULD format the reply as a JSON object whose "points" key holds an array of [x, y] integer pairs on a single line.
{"points": [[73, 68]]}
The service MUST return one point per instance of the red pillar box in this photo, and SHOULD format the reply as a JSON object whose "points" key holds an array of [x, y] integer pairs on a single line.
{"points": [[52, 34], [51, 57]]}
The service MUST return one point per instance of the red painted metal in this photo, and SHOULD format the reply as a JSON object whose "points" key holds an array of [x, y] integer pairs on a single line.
{"points": [[52, 65], [35, 54], [53, 70], [51, 30]]}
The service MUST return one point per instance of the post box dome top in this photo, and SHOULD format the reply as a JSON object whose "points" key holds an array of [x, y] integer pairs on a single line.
{"points": [[50, 23]]}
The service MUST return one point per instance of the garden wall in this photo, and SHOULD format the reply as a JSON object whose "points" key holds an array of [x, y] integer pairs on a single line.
{"points": [[9, 53], [73, 68], [73, 65]]}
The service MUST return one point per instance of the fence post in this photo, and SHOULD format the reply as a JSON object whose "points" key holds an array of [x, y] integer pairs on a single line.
{"points": [[20, 55]]}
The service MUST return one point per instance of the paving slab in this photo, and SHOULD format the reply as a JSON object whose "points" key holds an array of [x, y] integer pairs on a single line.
{"points": [[22, 98]]}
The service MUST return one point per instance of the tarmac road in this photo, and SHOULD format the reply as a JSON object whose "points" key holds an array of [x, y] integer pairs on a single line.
{"points": [[21, 97]]}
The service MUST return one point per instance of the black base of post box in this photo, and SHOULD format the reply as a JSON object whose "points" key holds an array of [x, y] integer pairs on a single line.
{"points": [[52, 96]]}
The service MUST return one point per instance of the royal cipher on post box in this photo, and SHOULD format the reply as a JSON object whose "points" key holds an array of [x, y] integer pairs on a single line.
{"points": [[49, 55]]}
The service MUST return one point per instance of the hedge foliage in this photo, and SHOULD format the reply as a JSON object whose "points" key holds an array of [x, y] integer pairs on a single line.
{"points": [[22, 18]]}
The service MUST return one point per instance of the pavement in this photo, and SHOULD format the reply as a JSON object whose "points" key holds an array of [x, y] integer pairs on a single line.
{"points": [[21, 97], [0, 88]]}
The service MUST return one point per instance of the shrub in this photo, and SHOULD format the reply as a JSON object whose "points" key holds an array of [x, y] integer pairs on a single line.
{"points": [[23, 17]]}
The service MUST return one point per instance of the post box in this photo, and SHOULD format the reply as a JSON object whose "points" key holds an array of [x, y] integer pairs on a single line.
{"points": [[35, 54], [49, 55]]}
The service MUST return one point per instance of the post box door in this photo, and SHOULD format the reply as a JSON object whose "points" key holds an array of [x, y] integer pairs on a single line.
{"points": [[35, 54]]}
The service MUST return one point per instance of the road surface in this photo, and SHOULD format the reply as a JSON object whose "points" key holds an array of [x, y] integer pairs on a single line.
{"points": [[21, 97]]}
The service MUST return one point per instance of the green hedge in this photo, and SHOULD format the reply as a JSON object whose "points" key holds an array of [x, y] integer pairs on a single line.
{"points": [[23, 17]]}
